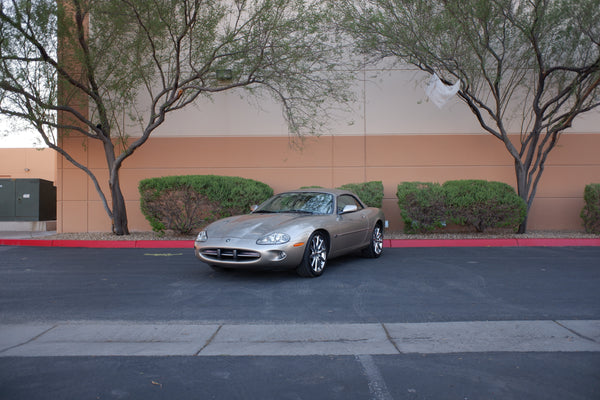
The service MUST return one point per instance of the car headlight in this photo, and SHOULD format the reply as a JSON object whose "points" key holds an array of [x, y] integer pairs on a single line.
{"points": [[274, 238], [202, 237]]}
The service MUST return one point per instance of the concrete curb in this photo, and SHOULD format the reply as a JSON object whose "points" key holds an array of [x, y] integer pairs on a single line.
{"points": [[388, 243], [106, 338]]}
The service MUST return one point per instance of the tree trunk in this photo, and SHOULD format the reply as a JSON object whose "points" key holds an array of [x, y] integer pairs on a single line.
{"points": [[523, 226], [523, 192], [119, 211]]}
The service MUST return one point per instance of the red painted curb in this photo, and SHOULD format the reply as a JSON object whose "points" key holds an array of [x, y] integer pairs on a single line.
{"points": [[550, 242], [401, 243], [388, 243], [558, 242], [104, 244], [26, 242]]}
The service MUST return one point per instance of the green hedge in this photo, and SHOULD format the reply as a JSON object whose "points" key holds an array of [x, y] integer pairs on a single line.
{"points": [[371, 193], [590, 214], [422, 206], [481, 204], [187, 203]]}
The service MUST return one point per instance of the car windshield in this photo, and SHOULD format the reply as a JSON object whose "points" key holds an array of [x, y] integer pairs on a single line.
{"points": [[298, 202]]}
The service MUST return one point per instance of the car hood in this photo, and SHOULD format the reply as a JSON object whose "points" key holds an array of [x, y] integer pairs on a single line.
{"points": [[252, 226]]}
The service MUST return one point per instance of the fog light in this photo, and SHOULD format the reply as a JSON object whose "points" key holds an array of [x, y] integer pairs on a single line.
{"points": [[280, 256]]}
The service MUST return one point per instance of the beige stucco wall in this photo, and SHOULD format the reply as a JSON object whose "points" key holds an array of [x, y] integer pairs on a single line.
{"points": [[19, 163], [388, 102]]}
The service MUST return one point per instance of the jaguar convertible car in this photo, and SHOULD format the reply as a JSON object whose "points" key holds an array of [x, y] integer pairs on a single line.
{"points": [[294, 230]]}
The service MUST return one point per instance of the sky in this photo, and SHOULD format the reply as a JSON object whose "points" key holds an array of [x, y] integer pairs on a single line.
{"points": [[21, 138]]}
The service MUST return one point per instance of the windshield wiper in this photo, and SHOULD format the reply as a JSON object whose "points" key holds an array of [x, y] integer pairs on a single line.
{"points": [[264, 212], [299, 211]]}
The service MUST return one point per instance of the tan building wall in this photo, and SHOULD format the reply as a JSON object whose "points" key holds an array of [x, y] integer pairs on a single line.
{"points": [[331, 161], [28, 163]]}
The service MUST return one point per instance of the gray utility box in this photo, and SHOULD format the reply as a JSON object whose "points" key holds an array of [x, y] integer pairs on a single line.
{"points": [[27, 200]]}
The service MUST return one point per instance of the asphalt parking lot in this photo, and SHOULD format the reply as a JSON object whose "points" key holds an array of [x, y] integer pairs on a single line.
{"points": [[416, 323], [404, 285]]}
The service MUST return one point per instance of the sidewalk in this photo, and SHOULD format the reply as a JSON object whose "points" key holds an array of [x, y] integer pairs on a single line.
{"points": [[40, 239], [106, 338]]}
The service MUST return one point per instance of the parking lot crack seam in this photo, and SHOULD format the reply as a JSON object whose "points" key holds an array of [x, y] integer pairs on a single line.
{"points": [[310, 341], [209, 341], [575, 332], [390, 339], [30, 340]]}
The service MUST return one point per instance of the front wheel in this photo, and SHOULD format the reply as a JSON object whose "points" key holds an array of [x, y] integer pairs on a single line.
{"points": [[376, 246], [315, 256]]}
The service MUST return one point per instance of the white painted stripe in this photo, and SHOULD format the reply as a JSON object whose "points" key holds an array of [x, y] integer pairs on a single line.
{"points": [[377, 387]]}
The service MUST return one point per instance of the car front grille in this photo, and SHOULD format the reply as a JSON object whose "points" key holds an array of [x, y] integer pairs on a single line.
{"points": [[230, 254]]}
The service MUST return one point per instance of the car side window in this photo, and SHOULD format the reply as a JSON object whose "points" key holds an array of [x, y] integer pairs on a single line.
{"points": [[345, 200]]}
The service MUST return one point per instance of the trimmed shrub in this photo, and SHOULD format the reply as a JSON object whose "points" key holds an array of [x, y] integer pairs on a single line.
{"points": [[371, 193], [482, 204], [422, 206], [590, 214], [186, 203]]}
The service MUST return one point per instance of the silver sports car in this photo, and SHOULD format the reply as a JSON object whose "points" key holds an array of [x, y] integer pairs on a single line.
{"points": [[299, 229]]}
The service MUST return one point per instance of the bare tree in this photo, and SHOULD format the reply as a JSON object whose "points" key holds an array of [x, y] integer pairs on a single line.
{"points": [[79, 66], [535, 61]]}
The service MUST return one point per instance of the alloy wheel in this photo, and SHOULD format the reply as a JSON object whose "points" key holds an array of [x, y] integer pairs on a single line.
{"points": [[318, 253]]}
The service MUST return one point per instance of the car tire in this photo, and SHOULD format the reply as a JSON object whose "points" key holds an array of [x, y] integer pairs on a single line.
{"points": [[315, 256], [375, 247]]}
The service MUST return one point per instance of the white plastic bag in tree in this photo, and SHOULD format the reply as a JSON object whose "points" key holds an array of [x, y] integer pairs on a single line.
{"points": [[438, 92]]}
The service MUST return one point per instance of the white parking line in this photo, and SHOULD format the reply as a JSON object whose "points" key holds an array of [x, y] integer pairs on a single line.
{"points": [[377, 387]]}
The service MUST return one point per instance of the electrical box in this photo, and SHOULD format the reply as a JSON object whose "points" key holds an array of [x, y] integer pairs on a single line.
{"points": [[27, 200]]}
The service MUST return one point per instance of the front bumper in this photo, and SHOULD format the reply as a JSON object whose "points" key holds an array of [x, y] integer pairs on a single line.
{"points": [[240, 253]]}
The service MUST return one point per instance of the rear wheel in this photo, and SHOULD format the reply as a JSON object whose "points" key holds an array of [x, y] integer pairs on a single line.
{"points": [[315, 256], [376, 245]]}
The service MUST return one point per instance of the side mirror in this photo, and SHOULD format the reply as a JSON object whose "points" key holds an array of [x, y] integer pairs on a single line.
{"points": [[349, 208]]}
